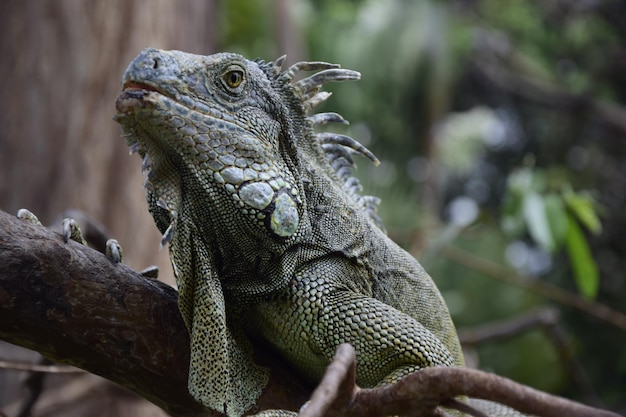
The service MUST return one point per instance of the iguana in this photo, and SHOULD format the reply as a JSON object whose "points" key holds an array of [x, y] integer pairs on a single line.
{"points": [[268, 234]]}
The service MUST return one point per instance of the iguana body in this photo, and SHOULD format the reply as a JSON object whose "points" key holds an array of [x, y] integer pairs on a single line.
{"points": [[268, 236]]}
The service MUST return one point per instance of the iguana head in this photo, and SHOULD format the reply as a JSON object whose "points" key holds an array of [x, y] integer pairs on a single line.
{"points": [[209, 125], [231, 129]]}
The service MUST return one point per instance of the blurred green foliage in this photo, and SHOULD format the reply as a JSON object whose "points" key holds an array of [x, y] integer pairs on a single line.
{"points": [[456, 98], [552, 218]]}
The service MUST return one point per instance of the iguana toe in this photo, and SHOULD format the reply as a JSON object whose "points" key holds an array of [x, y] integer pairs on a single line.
{"points": [[113, 251], [27, 215], [71, 231]]}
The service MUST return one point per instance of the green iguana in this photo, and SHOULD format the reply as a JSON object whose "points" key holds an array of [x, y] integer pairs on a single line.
{"points": [[268, 234]]}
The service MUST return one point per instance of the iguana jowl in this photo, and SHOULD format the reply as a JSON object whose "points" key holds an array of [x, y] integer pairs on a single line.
{"points": [[267, 232]]}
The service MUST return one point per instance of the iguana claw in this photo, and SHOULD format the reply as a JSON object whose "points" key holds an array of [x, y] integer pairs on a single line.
{"points": [[71, 231], [28, 216], [113, 251]]}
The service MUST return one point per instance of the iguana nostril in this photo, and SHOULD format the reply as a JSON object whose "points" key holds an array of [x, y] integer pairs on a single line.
{"points": [[155, 63]]}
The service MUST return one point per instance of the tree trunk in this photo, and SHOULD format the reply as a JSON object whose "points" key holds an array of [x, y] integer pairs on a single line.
{"points": [[59, 149], [61, 66]]}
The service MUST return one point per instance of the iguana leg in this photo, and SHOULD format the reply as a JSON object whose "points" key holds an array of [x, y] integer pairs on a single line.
{"points": [[71, 231], [315, 318], [389, 343]]}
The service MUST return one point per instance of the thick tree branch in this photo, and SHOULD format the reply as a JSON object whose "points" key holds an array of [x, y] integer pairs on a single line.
{"points": [[74, 306]]}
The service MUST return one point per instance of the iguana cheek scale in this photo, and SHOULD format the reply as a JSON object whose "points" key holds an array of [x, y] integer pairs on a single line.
{"points": [[268, 233]]}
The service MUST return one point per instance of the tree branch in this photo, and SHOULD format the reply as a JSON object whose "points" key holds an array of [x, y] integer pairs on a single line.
{"points": [[421, 393], [547, 320], [46, 369], [501, 64], [74, 306], [544, 289]]}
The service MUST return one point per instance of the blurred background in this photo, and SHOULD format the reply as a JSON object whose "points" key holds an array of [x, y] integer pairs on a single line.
{"points": [[501, 127]]}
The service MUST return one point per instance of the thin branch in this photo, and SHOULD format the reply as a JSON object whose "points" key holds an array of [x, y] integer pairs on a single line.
{"points": [[547, 320], [501, 273], [421, 393], [463, 407], [500, 63], [34, 386], [337, 388], [540, 318], [59, 396], [441, 384], [32, 367]]}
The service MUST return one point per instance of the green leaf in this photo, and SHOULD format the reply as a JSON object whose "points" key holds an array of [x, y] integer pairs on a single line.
{"points": [[513, 224], [584, 266], [537, 221], [520, 181], [557, 218], [525, 180], [583, 207]]}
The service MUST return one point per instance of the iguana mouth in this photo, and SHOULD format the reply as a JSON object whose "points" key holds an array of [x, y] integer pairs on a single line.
{"points": [[133, 94], [133, 85], [128, 101]]}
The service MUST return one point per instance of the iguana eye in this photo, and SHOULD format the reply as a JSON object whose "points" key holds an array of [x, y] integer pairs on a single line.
{"points": [[233, 77]]}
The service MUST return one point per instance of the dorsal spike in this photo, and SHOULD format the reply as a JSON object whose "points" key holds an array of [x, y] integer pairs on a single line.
{"points": [[370, 206], [305, 96], [315, 100], [353, 186], [323, 118], [306, 66], [345, 172], [320, 78], [338, 149], [277, 65], [370, 200], [337, 154], [348, 142], [343, 166]]}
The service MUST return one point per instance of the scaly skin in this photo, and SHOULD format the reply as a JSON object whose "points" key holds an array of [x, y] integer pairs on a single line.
{"points": [[267, 233]]}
